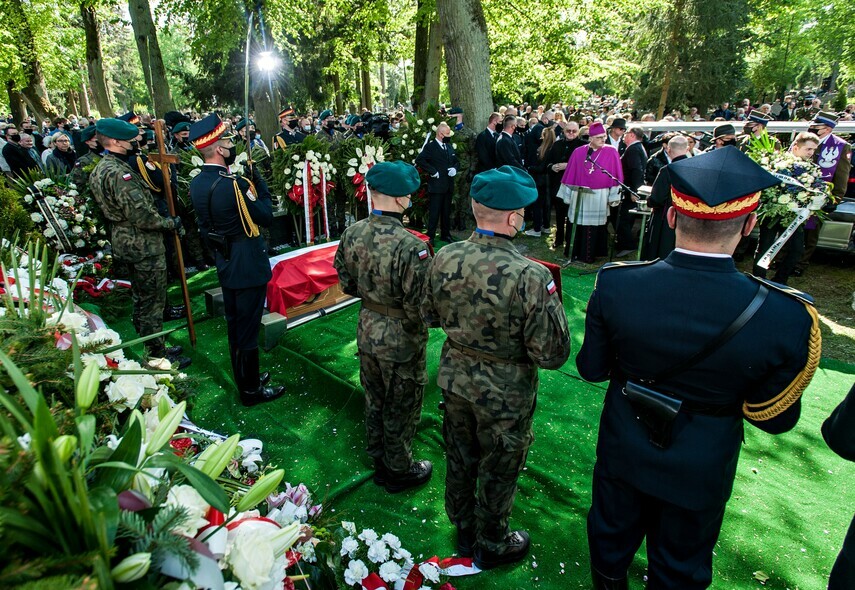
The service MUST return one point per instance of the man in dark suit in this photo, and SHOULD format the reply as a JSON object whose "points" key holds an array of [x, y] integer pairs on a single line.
{"points": [[485, 144], [243, 265], [438, 159], [507, 150], [633, 161], [683, 375], [659, 241], [788, 113], [723, 112], [616, 132]]}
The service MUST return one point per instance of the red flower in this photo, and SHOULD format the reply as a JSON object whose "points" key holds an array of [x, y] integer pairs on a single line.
{"points": [[181, 445], [447, 586]]}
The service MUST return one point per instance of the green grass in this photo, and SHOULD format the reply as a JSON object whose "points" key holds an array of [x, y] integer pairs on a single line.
{"points": [[787, 517]]}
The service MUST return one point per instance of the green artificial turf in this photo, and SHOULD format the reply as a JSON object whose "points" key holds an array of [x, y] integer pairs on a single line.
{"points": [[789, 512]]}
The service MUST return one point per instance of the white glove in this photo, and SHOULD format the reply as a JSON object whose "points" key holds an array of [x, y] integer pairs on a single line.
{"points": [[435, 175], [452, 172]]}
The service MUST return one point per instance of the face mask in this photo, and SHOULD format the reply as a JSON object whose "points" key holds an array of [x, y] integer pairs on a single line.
{"points": [[446, 140], [14, 137], [521, 229], [135, 147], [330, 124], [230, 159], [730, 142], [292, 124], [251, 135], [395, 126], [98, 147], [813, 130], [307, 128], [498, 127]]}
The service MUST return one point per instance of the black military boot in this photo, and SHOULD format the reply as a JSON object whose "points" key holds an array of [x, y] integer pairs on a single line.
{"points": [[264, 378], [171, 353], [380, 472], [418, 474], [602, 582], [466, 541], [248, 380], [517, 544]]}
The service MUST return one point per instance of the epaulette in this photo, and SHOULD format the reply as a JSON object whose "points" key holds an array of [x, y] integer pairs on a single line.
{"points": [[800, 295], [622, 264]]}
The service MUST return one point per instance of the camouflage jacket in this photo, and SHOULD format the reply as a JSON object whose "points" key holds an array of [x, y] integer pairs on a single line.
{"points": [[83, 168], [381, 262], [334, 140], [128, 205], [493, 303]]}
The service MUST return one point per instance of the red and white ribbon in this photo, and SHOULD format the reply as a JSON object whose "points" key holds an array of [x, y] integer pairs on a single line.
{"points": [[307, 197], [324, 204]]}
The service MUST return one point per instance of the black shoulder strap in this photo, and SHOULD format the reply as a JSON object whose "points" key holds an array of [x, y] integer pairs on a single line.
{"points": [[716, 342], [210, 196]]}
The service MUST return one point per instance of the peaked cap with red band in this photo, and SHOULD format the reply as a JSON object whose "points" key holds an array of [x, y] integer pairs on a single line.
{"points": [[721, 184], [207, 131], [130, 117]]}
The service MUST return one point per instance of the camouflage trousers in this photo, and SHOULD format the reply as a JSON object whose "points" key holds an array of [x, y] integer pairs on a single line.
{"points": [[148, 292], [393, 405], [485, 456]]}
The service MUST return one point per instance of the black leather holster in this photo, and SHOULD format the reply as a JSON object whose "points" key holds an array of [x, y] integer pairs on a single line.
{"points": [[656, 410]]}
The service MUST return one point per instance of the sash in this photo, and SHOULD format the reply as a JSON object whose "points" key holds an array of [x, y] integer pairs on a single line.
{"points": [[828, 156]]}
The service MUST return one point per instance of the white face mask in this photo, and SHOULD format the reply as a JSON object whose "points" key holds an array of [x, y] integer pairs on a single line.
{"points": [[307, 127]]}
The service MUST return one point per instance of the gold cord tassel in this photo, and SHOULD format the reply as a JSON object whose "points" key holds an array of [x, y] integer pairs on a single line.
{"points": [[145, 175], [249, 226], [775, 406]]}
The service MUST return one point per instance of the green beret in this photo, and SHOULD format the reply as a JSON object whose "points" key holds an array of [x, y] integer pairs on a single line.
{"points": [[395, 179], [504, 189], [182, 126], [87, 133], [456, 111], [324, 114], [242, 123], [352, 120], [117, 129]]}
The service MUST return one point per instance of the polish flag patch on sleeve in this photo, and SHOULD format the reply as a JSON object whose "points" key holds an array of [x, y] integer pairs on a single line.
{"points": [[423, 254], [126, 177], [550, 286]]}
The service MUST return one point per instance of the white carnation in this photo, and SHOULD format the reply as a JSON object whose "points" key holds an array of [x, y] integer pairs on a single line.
{"points": [[377, 551], [36, 217], [430, 571], [349, 546], [355, 573], [368, 535], [390, 571]]}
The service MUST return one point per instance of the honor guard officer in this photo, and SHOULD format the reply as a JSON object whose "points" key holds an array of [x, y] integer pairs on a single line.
{"points": [[289, 134], [384, 264], [136, 231], [230, 209], [503, 319], [684, 376]]}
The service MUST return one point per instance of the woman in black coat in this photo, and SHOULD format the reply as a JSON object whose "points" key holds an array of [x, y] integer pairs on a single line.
{"points": [[556, 162]]}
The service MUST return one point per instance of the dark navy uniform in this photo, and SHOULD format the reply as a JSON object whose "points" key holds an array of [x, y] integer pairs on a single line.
{"points": [[839, 433], [675, 496], [244, 276]]}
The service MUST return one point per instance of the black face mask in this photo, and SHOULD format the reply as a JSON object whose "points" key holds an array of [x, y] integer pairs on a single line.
{"points": [[498, 127], [15, 137], [446, 140], [548, 124], [330, 125], [729, 142], [98, 147], [230, 159], [292, 124], [135, 147], [813, 130]]}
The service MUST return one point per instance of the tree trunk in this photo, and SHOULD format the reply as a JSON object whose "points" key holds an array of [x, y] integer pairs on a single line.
{"points": [[467, 56], [365, 75], [339, 99], [71, 103], [434, 63], [95, 62], [85, 109], [265, 105], [384, 96], [150, 56], [835, 72], [16, 103], [671, 64], [35, 91], [420, 58]]}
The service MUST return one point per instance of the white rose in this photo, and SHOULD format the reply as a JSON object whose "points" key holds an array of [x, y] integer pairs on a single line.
{"points": [[454, 145], [63, 224], [129, 366], [77, 229], [36, 217], [73, 193], [377, 551], [355, 573], [430, 571], [430, 121], [349, 546], [310, 155], [250, 560], [433, 128], [784, 199], [28, 198], [406, 135], [188, 498], [299, 174], [70, 320], [287, 171], [420, 122], [79, 244], [327, 157], [50, 201], [295, 157], [390, 571], [125, 392], [49, 233], [411, 153], [79, 217], [368, 535]]}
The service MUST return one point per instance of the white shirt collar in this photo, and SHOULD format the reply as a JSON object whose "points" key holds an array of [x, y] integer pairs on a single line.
{"points": [[706, 254]]}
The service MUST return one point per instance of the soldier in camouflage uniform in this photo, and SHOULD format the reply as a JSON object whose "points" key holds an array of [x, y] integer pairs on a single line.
{"points": [[86, 163], [330, 134], [503, 319], [384, 264], [464, 146], [137, 231]]}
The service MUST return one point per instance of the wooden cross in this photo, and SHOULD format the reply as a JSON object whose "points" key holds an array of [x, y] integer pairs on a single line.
{"points": [[164, 158]]}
